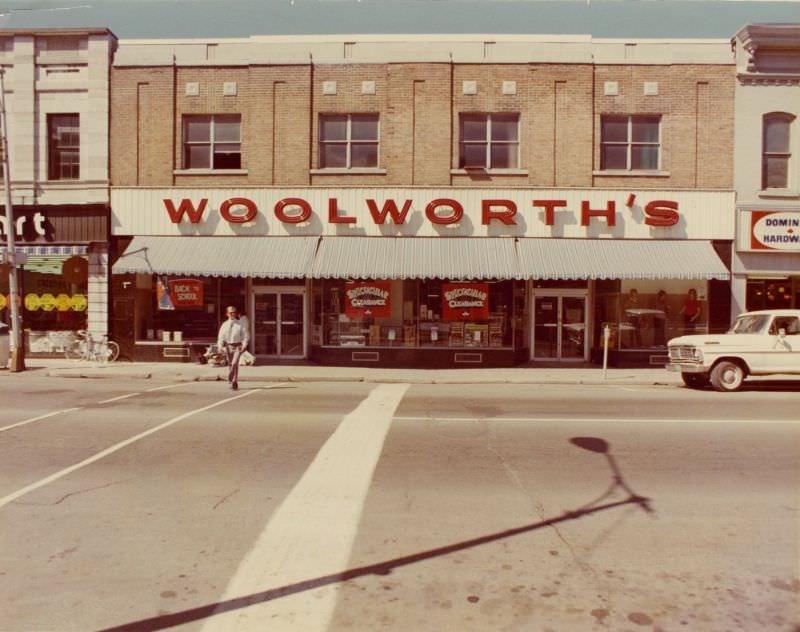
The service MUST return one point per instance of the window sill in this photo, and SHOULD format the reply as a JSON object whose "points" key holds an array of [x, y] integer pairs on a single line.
{"points": [[489, 172], [210, 172], [788, 194], [635, 173], [366, 171]]}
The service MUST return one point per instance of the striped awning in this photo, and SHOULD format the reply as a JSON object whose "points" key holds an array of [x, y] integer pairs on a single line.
{"points": [[263, 257], [416, 258], [49, 250], [619, 259]]}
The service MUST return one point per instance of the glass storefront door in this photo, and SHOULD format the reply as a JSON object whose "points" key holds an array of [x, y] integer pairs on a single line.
{"points": [[559, 327], [279, 322]]}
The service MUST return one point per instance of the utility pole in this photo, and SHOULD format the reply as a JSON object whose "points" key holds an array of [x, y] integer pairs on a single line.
{"points": [[17, 351]]}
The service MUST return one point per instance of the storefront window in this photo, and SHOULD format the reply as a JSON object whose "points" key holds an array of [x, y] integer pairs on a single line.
{"points": [[773, 293], [54, 300], [646, 314], [176, 308], [431, 313]]}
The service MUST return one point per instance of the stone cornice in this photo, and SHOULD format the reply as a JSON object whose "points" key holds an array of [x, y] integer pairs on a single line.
{"points": [[750, 79]]}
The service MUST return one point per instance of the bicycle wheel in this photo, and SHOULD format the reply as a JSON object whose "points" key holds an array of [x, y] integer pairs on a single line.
{"points": [[74, 350], [112, 351]]}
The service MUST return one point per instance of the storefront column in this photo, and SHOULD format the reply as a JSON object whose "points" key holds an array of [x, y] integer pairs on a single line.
{"points": [[738, 295], [98, 290]]}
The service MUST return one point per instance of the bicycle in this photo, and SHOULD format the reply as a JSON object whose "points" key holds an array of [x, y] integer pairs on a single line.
{"points": [[87, 348]]}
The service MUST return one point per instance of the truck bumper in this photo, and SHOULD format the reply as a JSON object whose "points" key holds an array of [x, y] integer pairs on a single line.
{"points": [[687, 368]]}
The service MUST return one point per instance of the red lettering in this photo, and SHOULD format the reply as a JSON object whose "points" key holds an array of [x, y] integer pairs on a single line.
{"points": [[305, 210], [610, 213], [186, 207], [457, 211], [249, 215], [333, 213], [389, 208], [661, 213], [550, 207], [506, 216]]}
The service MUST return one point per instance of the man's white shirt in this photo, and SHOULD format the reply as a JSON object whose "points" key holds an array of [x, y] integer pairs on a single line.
{"points": [[232, 332]]}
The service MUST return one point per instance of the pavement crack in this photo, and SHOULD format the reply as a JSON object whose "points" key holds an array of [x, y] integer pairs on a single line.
{"points": [[226, 497], [89, 489]]}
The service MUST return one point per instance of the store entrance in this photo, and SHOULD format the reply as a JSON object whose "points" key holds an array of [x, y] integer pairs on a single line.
{"points": [[559, 326], [279, 322]]}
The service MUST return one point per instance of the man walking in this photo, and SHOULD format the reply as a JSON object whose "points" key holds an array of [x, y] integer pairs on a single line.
{"points": [[232, 340]]}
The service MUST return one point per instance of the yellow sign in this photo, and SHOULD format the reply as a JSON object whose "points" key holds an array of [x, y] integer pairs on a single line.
{"points": [[63, 302], [32, 302], [48, 302], [79, 302], [2, 301]]}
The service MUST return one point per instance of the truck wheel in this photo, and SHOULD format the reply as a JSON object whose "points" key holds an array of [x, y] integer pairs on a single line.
{"points": [[695, 380], [727, 376]]}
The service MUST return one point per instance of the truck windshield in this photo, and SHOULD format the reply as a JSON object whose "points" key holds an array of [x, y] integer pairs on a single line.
{"points": [[750, 324]]}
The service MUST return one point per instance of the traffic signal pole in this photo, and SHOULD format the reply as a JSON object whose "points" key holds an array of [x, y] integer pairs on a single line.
{"points": [[17, 352]]}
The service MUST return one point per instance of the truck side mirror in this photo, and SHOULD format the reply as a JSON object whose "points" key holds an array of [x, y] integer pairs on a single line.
{"points": [[782, 332]]}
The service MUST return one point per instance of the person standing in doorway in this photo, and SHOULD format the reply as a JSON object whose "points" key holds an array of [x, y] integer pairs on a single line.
{"points": [[660, 320], [232, 340], [690, 311]]}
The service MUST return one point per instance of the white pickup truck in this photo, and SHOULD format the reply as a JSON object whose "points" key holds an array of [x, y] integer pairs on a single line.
{"points": [[759, 343]]}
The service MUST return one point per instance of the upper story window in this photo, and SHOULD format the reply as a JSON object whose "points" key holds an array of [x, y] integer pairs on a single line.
{"points": [[348, 141], [63, 147], [776, 151], [212, 141], [630, 143], [489, 141]]}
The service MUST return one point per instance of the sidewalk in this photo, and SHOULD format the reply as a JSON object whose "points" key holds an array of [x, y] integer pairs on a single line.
{"points": [[179, 372]]}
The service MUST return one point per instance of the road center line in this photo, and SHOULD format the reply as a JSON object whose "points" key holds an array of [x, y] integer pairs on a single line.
{"points": [[161, 388], [45, 416], [114, 448], [683, 420], [119, 397], [311, 534]]}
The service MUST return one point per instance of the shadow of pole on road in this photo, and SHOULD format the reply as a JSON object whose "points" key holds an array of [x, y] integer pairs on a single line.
{"points": [[383, 568]]}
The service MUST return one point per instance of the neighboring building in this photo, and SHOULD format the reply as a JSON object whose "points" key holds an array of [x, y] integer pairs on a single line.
{"points": [[56, 96], [766, 263], [422, 200]]}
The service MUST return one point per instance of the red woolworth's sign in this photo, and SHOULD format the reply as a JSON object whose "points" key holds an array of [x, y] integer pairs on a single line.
{"points": [[186, 293], [368, 299], [465, 301], [441, 211]]}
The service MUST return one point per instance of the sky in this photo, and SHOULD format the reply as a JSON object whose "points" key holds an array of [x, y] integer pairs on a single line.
{"points": [[240, 18]]}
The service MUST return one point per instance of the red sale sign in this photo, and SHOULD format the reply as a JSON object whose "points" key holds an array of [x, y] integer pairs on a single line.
{"points": [[465, 301], [368, 299]]}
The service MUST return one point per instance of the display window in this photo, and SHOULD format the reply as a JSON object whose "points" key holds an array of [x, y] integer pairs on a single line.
{"points": [[177, 308], [53, 300], [412, 313], [646, 314], [773, 293]]}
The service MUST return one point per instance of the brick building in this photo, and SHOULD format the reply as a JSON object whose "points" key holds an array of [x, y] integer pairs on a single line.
{"points": [[422, 200], [56, 99]]}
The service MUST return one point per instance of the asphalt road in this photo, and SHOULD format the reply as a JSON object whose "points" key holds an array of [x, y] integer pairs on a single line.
{"points": [[134, 505]]}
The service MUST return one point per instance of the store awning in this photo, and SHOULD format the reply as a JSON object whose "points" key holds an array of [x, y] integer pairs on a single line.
{"points": [[416, 258], [619, 259], [49, 250], [273, 257]]}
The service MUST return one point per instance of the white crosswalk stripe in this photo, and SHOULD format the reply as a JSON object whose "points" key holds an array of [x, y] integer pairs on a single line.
{"points": [[312, 533]]}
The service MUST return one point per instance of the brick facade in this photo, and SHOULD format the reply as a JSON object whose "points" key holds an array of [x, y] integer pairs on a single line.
{"points": [[560, 108]]}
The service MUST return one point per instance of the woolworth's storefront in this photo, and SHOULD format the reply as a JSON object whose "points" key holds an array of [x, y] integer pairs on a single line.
{"points": [[420, 277]]}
